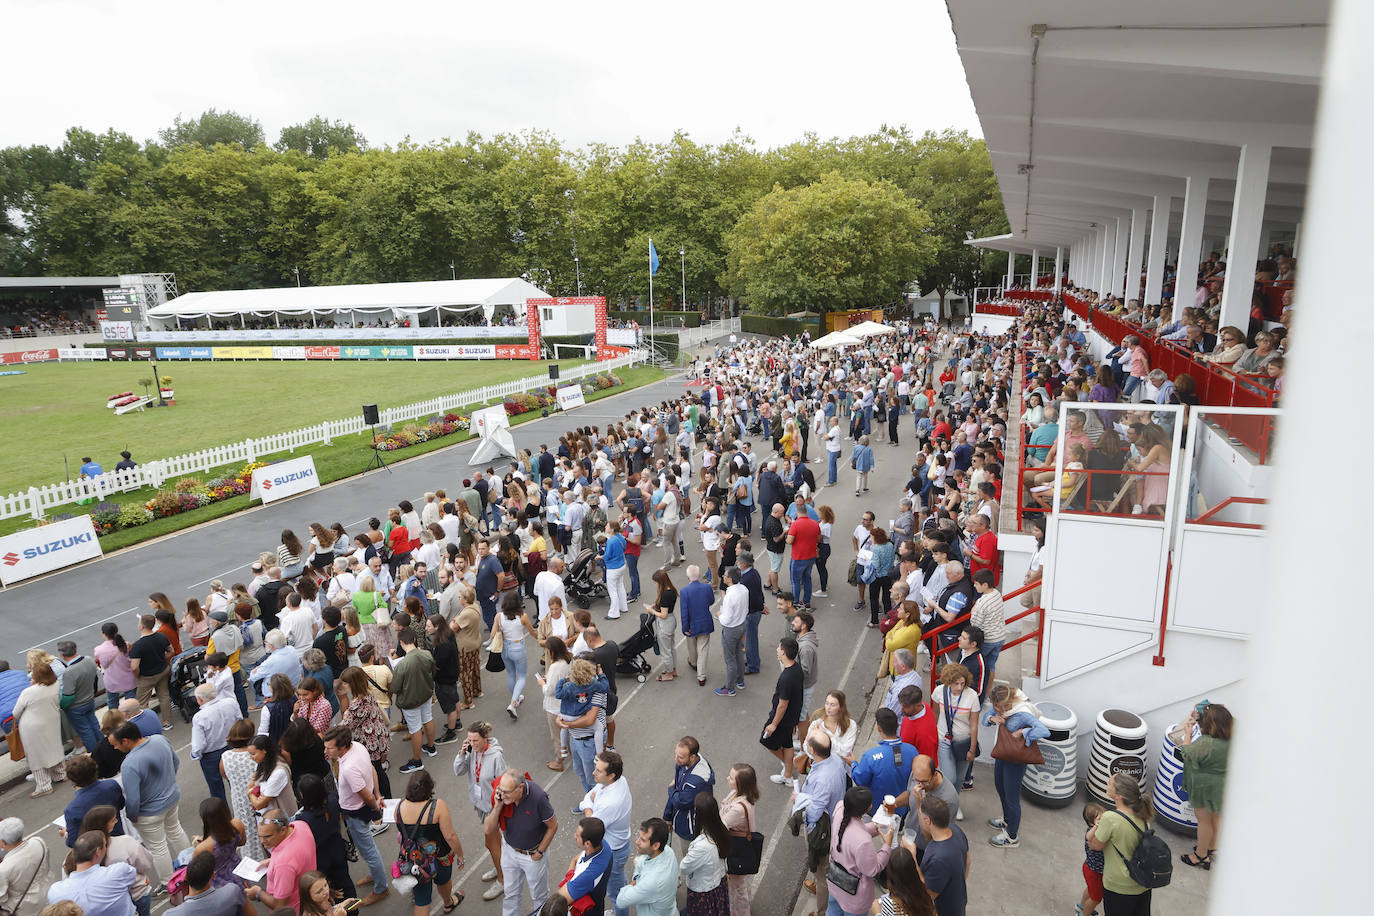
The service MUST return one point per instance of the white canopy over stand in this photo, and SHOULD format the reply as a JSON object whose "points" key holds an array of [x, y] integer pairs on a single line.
{"points": [[836, 339]]}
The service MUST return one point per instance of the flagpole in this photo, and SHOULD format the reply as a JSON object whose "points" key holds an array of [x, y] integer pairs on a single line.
{"points": [[651, 294]]}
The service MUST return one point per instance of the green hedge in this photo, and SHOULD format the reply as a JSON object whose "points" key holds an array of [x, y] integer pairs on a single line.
{"points": [[642, 316], [778, 327]]}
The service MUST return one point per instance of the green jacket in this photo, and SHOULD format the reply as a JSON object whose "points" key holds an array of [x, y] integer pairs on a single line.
{"points": [[412, 681]]}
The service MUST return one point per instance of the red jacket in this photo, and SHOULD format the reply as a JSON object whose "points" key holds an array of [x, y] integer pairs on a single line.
{"points": [[920, 732]]}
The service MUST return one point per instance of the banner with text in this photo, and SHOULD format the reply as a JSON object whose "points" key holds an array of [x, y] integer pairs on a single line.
{"points": [[28, 356], [30, 553], [285, 478], [570, 397], [184, 353]]}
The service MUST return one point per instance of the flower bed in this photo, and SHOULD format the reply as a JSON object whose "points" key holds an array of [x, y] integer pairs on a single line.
{"points": [[414, 434], [187, 494], [528, 402]]}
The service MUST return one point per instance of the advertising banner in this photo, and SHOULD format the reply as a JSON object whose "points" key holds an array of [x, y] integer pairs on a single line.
{"points": [[38, 550], [241, 352], [609, 352], [460, 332], [436, 352], [285, 478], [359, 353], [82, 353], [569, 397], [288, 352], [321, 352], [29, 356], [121, 353], [117, 330], [393, 352], [184, 353], [513, 351], [141, 353]]}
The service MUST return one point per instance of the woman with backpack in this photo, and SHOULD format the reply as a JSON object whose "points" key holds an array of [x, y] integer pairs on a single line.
{"points": [[1117, 833], [430, 848]]}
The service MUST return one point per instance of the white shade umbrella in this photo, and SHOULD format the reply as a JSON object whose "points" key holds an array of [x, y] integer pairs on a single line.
{"points": [[870, 329], [836, 339]]}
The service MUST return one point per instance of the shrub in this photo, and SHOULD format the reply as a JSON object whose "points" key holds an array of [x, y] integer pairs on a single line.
{"points": [[778, 327], [132, 515], [190, 485]]}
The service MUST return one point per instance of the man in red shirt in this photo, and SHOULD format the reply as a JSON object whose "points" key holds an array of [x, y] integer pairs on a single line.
{"points": [[941, 429], [983, 547], [917, 727], [804, 534]]}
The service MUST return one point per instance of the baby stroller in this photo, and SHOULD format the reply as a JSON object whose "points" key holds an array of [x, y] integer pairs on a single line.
{"points": [[630, 660], [188, 671], [582, 583]]}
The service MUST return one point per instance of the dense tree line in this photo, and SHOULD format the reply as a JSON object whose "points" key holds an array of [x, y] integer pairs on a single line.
{"points": [[850, 221]]}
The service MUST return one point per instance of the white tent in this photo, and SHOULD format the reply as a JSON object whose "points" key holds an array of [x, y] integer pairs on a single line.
{"points": [[387, 299], [870, 329], [836, 339]]}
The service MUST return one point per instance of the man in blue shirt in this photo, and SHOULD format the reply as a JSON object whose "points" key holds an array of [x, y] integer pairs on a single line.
{"points": [[698, 623], [99, 890], [885, 769], [591, 867], [91, 468], [151, 794], [488, 581], [823, 790]]}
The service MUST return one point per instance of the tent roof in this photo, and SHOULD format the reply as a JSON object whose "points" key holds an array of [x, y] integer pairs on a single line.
{"points": [[360, 297], [870, 329], [836, 339]]}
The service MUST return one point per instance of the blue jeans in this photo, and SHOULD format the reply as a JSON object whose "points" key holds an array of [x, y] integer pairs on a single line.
{"points": [[632, 563], [991, 652], [112, 698], [1131, 384], [801, 580], [85, 724], [751, 643], [209, 765], [360, 829], [240, 693], [584, 760], [954, 762], [1008, 778], [617, 879], [513, 654], [488, 612], [144, 905], [834, 467], [833, 908]]}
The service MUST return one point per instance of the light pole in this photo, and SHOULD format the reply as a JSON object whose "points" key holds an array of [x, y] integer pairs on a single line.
{"points": [[297, 271], [453, 269], [577, 266], [682, 250]]}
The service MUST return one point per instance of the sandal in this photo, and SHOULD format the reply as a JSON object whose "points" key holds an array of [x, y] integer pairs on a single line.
{"points": [[1193, 860], [672, 676], [458, 898]]}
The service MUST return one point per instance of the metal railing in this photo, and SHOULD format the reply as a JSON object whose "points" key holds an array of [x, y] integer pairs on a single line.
{"points": [[936, 651], [35, 501]]}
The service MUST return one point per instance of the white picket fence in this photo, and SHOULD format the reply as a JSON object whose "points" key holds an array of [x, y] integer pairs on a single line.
{"points": [[36, 500]]}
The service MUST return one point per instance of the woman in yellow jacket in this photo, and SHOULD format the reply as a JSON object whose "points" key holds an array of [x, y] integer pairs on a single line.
{"points": [[905, 635]]}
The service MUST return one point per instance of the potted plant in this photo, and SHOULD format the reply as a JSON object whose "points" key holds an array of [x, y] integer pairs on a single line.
{"points": [[167, 388]]}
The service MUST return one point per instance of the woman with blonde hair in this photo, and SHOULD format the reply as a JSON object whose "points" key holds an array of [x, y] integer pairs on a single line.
{"points": [[833, 718], [38, 717]]}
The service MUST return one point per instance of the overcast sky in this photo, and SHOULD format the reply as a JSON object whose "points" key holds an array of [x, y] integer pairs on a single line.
{"points": [[600, 70]]}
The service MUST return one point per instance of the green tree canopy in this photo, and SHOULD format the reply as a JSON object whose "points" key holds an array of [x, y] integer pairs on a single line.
{"points": [[213, 127], [839, 243], [320, 138]]}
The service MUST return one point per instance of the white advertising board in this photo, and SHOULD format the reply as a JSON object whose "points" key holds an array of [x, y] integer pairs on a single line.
{"points": [[285, 478], [117, 330], [569, 397], [288, 352], [25, 554]]}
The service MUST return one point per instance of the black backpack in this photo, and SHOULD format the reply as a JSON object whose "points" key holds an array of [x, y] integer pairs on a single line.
{"points": [[1152, 864]]}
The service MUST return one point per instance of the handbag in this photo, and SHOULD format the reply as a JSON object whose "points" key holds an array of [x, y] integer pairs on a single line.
{"points": [[498, 641], [16, 744], [1011, 749], [495, 663], [841, 877], [746, 849]]}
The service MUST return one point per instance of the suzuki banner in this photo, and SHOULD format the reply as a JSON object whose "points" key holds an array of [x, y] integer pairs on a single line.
{"points": [[569, 397], [285, 478], [30, 553]]}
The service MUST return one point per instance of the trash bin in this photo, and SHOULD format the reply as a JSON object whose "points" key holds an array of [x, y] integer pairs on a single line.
{"points": [[1118, 747], [1171, 801], [1054, 783]]}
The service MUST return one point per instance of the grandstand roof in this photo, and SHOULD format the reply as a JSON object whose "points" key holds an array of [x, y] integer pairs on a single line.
{"points": [[55, 282], [447, 295], [1131, 99]]}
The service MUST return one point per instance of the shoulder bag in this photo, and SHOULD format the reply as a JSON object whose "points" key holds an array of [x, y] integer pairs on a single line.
{"points": [[746, 849], [1011, 749]]}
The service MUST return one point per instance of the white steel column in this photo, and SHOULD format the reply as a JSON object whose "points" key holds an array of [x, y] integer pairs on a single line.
{"points": [[1135, 253], [1242, 249], [1190, 242], [1337, 235], [1035, 267], [1058, 269], [1011, 269], [1118, 269], [1159, 237], [1104, 270]]}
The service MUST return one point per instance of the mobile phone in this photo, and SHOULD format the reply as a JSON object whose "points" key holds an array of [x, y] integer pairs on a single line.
{"points": [[351, 906]]}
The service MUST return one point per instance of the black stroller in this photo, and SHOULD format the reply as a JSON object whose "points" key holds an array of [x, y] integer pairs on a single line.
{"points": [[582, 583], [188, 671], [630, 660]]}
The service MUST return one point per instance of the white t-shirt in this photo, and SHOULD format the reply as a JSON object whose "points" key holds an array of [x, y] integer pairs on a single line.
{"points": [[960, 706], [298, 626], [450, 525], [862, 534], [669, 504], [710, 538], [832, 439], [547, 585]]}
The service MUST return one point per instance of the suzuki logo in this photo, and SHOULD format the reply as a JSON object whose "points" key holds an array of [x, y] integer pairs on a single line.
{"points": [[11, 558], [267, 483]]}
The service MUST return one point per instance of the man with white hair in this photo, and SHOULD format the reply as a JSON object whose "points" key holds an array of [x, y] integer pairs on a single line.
{"points": [[548, 584], [282, 658], [210, 734], [21, 868], [903, 673], [698, 623], [342, 585]]}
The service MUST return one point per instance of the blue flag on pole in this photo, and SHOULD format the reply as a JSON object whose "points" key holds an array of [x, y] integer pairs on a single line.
{"points": [[653, 259]]}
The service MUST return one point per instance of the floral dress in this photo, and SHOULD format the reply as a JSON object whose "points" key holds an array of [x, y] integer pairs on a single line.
{"points": [[238, 773], [369, 727]]}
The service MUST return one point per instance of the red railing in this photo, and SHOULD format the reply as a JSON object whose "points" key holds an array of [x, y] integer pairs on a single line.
{"points": [[935, 652], [1217, 386], [1036, 295], [994, 308], [1206, 517]]}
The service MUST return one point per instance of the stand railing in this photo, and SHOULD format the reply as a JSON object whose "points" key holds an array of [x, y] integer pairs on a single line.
{"points": [[936, 652]]}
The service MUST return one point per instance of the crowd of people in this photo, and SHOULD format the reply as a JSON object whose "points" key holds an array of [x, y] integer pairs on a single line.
{"points": [[26, 318], [298, 680]]}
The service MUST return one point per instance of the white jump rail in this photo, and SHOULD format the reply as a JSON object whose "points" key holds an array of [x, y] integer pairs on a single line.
{"points": [[37, 500]]}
